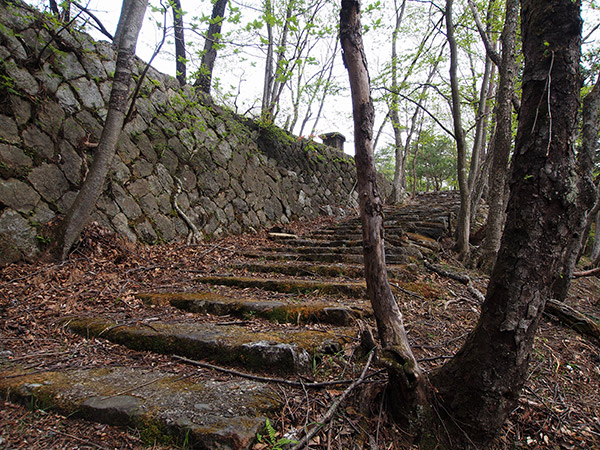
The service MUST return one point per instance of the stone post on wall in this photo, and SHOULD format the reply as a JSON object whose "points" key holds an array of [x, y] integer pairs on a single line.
{"points": [[335, 140]]}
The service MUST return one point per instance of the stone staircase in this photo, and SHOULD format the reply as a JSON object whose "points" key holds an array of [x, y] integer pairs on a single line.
{"points": [[273, 313]]}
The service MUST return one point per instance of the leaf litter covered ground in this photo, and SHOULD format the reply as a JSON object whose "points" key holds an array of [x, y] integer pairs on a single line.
{"points": [[559, 408]]}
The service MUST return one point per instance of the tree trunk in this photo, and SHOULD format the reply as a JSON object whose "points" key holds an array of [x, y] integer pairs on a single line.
{"points": [[125, 7], [209, 55], [480, 386], [596, 246], [502, 137], [180, 56], [398, 183], [587, 191], [407, 382], [78, 215], [463, 226], [268, 80]]}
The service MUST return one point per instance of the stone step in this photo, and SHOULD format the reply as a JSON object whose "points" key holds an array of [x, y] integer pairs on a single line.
{"points": [[290, 286], [162, 406], [332, 270], [322, 243], [323, 257], [300, 268], [281, 311], [279, 350], [389, 250]]}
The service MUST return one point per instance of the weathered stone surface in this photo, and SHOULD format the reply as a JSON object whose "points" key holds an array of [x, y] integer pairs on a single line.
{"points": [[149, 205], [146, 233], [296, 286], [281, 350], [73, 132], [121, 225], [93, 67], [13, 161], [70, 162], [42, 213], [283, 311], [224, 415], [18, 195], [90, 124], [18, 237], [14, 47], [126, 149], [21, 109], [165, 227], [66, 201], [22, 78], [38, 141], [10, 132], [128, 205], [88, 93], [67, 99], [67, 64], [49, 181], [51, 117]]}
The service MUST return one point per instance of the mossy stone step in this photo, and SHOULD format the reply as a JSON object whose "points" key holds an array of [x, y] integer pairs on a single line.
{"points": [[280, 350], [357, 250], [163, 406], [404, 271], [323, 257], [276, 311], [290, 286], [323, 243]]}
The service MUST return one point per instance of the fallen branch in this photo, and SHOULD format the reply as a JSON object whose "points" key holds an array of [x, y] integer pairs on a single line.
{"points": [[83, 441], [464, 279], [332, 409], [258, 378], [574, 319], [586, 273], [406, 291], [563, 313]]}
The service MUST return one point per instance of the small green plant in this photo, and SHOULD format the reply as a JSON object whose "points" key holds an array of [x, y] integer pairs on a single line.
{"points": [[43, 239], [270, 438]]}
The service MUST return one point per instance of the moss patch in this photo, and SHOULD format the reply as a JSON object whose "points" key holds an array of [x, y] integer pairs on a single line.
{"points": [[280, 350]]}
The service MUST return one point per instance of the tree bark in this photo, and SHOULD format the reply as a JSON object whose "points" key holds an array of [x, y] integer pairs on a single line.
{"points": [[407, 382], [596, 245], [398, 184], [78, 215], [268, 80], [209, 55], [587, 191], [125, 6], [503, 136], [480, 386], [180, 56], [463, 226]]}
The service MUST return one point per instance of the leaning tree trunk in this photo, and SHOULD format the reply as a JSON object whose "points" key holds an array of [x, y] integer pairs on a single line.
{"points": [[407, 382], [463, 226], [503, 136], [480, 386], [180, 56], [213, 37], [78, 215]]}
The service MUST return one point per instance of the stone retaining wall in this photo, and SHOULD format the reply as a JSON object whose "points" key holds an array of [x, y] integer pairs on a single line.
{"points": [[227, 174]]}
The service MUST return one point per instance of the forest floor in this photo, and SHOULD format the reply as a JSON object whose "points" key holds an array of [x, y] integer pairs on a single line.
{"points": [[559, 407]]}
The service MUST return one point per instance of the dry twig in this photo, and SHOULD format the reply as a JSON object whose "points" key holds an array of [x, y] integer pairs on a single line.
{"points": [[332, 409]]}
